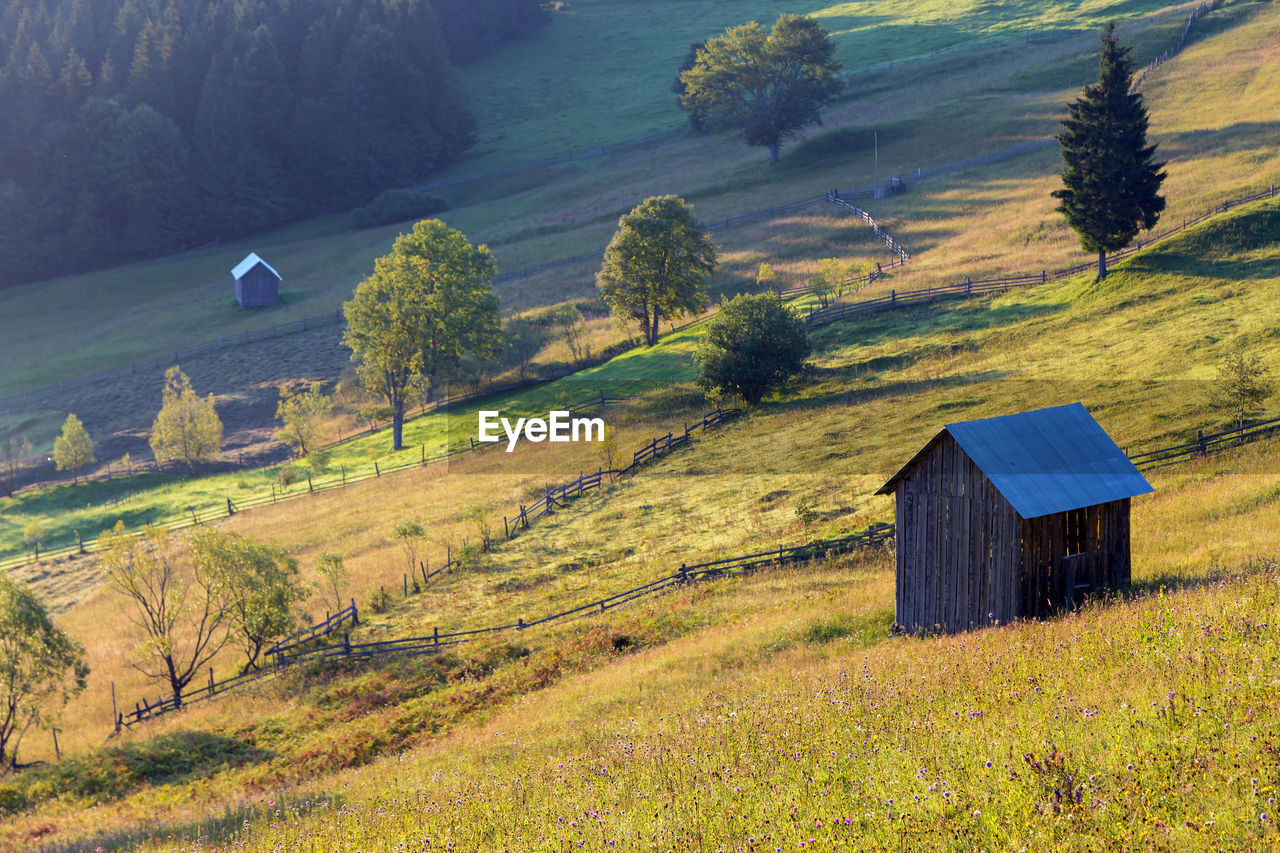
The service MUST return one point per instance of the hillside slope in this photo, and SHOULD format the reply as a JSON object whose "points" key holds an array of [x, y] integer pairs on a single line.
{"points": [[880, 389]]}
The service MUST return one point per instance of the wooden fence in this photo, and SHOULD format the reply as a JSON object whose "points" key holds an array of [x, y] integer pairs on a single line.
{"points": [[558, 496], [227, 507], [289, 656], [1202, 9], [970, 287]]}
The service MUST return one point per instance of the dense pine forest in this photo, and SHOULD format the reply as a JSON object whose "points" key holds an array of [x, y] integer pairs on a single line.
{"points": [[130, 128]]}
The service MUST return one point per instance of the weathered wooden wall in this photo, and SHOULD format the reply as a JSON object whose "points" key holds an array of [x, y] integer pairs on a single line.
{"points": [[257, 288], [966, 559]]}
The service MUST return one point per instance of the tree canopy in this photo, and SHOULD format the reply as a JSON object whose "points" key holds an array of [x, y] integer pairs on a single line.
{"points": [[39, 665], [260, 586], [657, 264], [187, 428], [133, 127], [181, 608], [428, 301], [73, 449], [753, 344], [1110, 179], [772, 85]]}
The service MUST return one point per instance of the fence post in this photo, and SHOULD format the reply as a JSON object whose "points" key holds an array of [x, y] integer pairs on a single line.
{"points": [[506, 528], [344, 475], [435, 636], [355, 614], [424, 454], [406, 584], [231, 508], [893, 298], [310, 490], [423, 567], [273, 492], [684, 574], [346, 642], [211, 690], [115, 713], [520, 624]]}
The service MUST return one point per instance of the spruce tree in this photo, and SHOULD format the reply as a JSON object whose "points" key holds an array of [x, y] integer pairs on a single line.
{"points": [[1111, 182]]}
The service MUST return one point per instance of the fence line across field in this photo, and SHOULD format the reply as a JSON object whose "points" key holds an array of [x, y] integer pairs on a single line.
{"points": [[287, 656], [290, 652], [984, 287]]}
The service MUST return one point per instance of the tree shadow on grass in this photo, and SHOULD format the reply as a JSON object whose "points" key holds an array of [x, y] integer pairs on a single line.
{"points": [[218, 828], [114, 772]]}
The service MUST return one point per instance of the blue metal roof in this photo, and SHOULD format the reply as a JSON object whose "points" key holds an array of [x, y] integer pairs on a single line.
{"points": [[1046, 461]]}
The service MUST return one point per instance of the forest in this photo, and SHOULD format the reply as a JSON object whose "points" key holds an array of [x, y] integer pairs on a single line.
{"points": [[131, 128]]}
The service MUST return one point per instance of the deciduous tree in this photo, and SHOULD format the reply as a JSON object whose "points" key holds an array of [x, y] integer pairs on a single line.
{"points": [[331, 578], [1242, 385], [181, 607], [657, 264], [301, 417], [753, 344], [1110, 178], [428, 301], [187, 428], [771, 84], [39, 666], [73, 449], [524, 342], [260, 586]]}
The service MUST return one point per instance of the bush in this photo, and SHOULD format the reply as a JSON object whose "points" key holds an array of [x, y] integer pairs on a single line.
{"points": [[753, 344], [397, 206]]}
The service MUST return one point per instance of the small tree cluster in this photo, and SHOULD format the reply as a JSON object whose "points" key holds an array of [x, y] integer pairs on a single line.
{"points": [[191, 596]]}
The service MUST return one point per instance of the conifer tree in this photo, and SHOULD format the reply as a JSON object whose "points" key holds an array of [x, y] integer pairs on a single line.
{"points": [[1111, 182]]}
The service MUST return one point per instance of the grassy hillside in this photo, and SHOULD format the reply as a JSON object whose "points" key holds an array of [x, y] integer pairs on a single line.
{"points": [[979, 222], [536, 217], [775, 710], [602, 73], [880, 389]]}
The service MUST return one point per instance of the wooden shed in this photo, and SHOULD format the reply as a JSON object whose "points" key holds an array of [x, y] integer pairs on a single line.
{"points": [[257, 282], [1010, 517]]}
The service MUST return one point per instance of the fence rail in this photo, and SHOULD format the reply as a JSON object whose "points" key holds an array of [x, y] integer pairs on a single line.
{"points": [[291, 656], [970, 287], [227, 507]]}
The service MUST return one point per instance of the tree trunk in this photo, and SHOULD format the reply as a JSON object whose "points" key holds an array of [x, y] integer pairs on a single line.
{"points": [[651, 331], [397, 426], [773, 153], [1102, 264], [174, 683]]}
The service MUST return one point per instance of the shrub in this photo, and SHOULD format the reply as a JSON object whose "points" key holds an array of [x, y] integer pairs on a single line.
{"points": [[397, 206]]}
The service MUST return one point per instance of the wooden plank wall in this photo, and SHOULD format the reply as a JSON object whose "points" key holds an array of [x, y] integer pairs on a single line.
{"points": [[965, 558], [957, 545]]}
